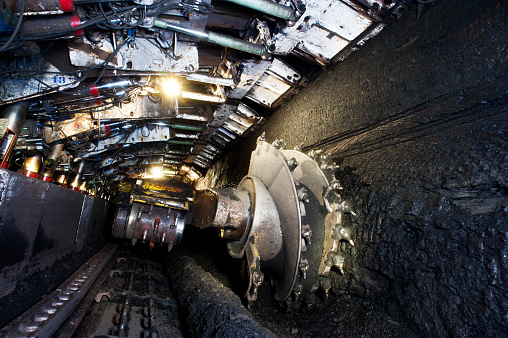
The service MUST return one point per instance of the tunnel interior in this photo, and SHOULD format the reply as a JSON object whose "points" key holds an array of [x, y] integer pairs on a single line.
{"points": [[393, 139]]}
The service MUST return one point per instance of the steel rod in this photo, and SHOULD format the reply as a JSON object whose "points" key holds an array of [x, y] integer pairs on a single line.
{"points": [[216, 38], [268, 7]]}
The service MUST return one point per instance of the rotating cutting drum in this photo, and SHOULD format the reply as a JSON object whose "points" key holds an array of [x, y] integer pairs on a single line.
{"points": [[279, 220]]}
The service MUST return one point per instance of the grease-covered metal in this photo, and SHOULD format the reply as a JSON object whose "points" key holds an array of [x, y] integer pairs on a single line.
{"points": [[44, 318]]}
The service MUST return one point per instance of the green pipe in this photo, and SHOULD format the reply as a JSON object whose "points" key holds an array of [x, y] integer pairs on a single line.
{"points": [[228, 41], [185, 143], [184, 127], [220, 39], [268, 7]]}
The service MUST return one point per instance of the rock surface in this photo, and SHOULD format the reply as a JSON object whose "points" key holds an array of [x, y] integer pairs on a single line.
{"points": [[418, 121]]}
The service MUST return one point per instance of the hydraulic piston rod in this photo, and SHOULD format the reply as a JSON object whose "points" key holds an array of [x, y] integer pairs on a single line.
{"points": [[51, 161], [219, 39], [269, 7], [15, 115], [77, 180]]}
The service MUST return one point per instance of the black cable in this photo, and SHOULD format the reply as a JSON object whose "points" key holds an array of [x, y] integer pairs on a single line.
{"points": [[171, 55], [91, 22], [104, 106], [97, 16], [108, 60], [16, 29]]}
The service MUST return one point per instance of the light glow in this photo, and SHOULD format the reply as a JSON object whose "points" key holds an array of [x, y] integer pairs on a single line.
{"points": [[155, 172], [171, 87]]}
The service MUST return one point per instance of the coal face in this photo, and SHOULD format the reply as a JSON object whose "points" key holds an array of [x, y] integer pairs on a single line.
{"points": [[417, 119]]}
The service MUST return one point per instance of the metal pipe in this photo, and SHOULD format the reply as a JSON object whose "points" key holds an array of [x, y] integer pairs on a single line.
{"points": [[116, 84], [76, 181], [83, 187], [61, 179], [172, 162], [179, 29], [51, 23], [15, 114], [219, 39], [202, 97], [228, 41], [181, 142], [51, 162], [188, 136], [32, 166], [211, 79], [187, 127], [41, 7], [268, 7]]}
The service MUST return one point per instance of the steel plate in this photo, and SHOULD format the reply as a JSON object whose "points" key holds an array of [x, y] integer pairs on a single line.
{"points": [[264, 226], [269, 166]]}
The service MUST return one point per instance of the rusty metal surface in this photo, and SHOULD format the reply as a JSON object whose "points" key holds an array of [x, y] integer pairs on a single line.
{"points": [[205, 207], [36, 7], [251, 72], [44, 23], [139, 108], [324, 30], [20, 87], [167, 194], [232, 208], [277, 82], [227, 209], [141, 55]]}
